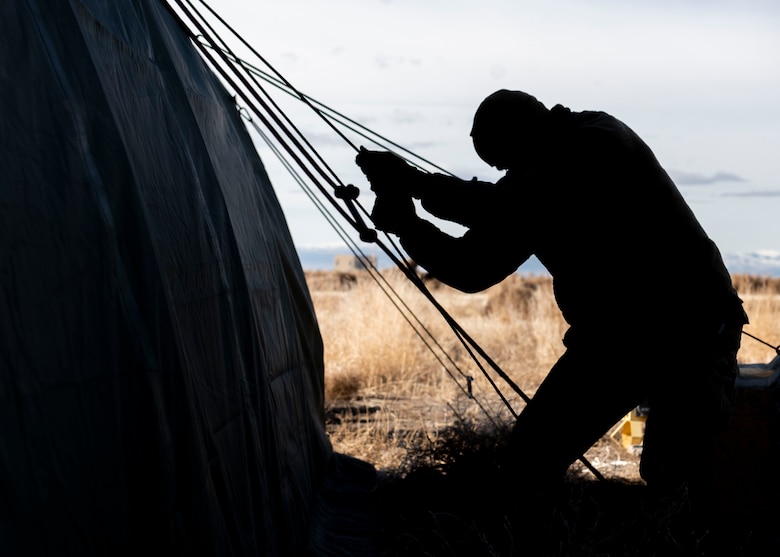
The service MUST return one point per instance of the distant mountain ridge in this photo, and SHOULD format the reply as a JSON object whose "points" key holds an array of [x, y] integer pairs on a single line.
{"points": [[762, 263]]}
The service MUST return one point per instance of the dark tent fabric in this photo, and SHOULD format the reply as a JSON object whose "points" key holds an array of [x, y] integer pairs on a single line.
{"points": [[161, 373]]}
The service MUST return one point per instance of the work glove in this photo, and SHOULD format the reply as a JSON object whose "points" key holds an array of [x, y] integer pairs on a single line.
{"points": [[388, 173], [393, 213]]}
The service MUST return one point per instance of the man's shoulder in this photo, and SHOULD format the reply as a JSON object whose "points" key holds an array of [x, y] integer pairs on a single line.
{"points": [[590, 124], [596, 130], [596, 120]]}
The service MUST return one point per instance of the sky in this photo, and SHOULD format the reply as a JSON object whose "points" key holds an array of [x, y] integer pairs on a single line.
{"points": [[698, 80]]}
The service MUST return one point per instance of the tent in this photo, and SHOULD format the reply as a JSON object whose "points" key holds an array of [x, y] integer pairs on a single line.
{"points": [[161, 371]]}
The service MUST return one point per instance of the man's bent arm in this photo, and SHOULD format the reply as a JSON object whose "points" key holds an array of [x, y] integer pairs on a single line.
{"points": [[465, 202], [471, 263]]}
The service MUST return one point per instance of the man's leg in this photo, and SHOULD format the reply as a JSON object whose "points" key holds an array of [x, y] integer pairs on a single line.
{"points": [[689, 408], [578, 402]]}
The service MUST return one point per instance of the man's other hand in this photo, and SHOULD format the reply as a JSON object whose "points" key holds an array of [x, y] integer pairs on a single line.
{"points": [[386, 172], [393, 213]]}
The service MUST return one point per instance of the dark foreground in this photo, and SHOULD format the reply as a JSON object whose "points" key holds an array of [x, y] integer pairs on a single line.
{"points": [[453, 502]]}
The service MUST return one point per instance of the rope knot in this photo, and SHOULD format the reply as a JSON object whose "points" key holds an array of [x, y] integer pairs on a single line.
{"points": [[368, 235], [348, 192]]}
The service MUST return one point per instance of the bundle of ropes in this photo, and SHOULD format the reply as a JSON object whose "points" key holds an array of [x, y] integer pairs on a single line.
{"points": [[319, 182]]}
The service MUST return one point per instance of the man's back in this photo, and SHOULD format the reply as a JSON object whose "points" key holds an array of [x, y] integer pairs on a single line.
{"points": [[605, 208]]}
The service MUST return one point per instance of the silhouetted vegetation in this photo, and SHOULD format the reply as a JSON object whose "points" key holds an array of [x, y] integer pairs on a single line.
{"points": [[442, 490]]}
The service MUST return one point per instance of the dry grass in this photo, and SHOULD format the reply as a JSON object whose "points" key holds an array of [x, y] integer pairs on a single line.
{"points": [[390, 384], [396, 354], [401, 406], [762, 303]]}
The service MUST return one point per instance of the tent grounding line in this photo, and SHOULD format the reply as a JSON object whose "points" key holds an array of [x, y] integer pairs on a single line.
{"points": [[344, 214], [775, 348], [331, 114], [229, 57], [250, 90], [387, 288], [333, 179], [282, 83]]}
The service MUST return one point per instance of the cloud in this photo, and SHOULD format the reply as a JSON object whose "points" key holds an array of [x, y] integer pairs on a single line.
{"points": [[692, 179], [402, 116], [322, 139], [755, 193], [385, 62]]}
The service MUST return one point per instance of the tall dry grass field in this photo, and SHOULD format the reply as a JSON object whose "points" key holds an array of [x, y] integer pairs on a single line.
{"points": [[395, 373]]}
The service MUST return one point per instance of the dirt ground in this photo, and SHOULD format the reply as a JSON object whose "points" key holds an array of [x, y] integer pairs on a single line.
{"points": [[455, 502], [609, 457]]}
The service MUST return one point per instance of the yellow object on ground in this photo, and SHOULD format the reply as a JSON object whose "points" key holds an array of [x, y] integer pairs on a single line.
{"points": [[630, 431]]}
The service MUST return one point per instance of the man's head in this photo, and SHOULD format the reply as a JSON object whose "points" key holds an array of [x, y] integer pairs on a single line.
{"points": [[508, 127]]}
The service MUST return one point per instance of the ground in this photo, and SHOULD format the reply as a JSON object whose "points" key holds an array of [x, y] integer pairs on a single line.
{"points": [[451, 498], [608, 456]]}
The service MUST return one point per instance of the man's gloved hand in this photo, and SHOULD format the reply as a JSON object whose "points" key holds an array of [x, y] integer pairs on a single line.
{"points": [[393, 213], [387, 172]]}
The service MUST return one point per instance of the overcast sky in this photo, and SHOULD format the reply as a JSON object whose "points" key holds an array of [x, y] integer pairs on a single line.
{"points": [[699, 80]]}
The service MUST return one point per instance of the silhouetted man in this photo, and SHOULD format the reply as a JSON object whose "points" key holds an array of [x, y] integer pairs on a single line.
{"points": [[652, 312]]}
